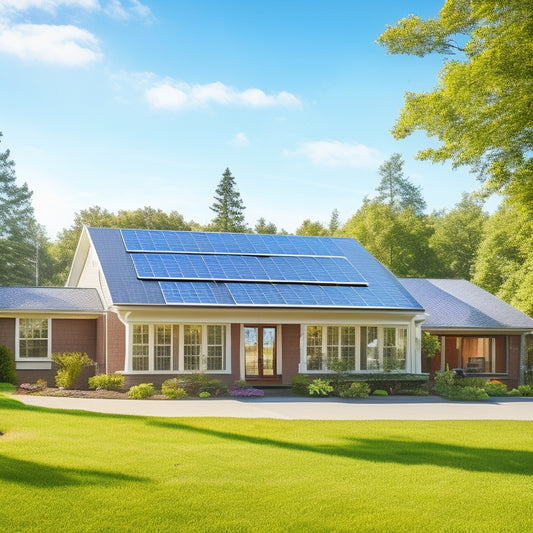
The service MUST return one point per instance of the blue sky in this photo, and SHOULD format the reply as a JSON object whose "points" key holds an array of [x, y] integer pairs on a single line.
{"points": [[124, 104]]}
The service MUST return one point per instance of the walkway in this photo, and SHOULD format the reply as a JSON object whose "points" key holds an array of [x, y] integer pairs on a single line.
{"points": [[391, 408]]}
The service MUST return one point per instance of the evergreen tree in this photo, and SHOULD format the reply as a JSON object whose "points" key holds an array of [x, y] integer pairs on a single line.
{"points": [[334, 222], [396, 190], [228, 206], [265, 228], [17, 228]]}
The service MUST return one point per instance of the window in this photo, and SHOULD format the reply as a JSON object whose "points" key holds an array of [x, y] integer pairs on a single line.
{"points": [[33, 338], [314, 347], [140, 347], [156, 347], [394, 348], [337, 342], [369, 348]]}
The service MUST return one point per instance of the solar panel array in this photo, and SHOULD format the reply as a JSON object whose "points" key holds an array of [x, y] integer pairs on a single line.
{"points": [[196, 268], [220, 267]]}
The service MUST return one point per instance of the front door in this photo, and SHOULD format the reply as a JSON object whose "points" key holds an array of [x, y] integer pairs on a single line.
{"points": [[260, 351]]}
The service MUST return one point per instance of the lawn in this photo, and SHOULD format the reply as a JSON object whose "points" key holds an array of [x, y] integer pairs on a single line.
{"points": [[76, 471]]}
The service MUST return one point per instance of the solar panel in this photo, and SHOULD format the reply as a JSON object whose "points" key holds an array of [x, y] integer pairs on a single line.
{"points": [[283, 269], [263, 294], [226, 243]]}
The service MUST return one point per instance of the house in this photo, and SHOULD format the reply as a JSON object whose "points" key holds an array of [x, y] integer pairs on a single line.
{"points": [[479, 333], [262, 308]]}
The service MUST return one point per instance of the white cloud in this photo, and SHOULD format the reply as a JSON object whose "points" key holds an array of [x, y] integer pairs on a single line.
{"points": [[240, 140], [47, 5], [122, 11], [62, 45], [338, 154], [174, 96]]}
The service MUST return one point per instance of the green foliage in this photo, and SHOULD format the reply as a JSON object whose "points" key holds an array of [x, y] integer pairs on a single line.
{"points": [[7, 388], [265, 228], [513, 392], [228, 206], [70, 365], [172, 388], [525, 390], [467, 394], [334, 222], [478, 383], [300, 385], [444, 381], [312, 228], [8, 373], [205, 394], [430, 344], [320, 387], [215, 387], [141, 391], [480, 111], [357, 389], [495, 389], [340, 369], [194, 383], [107, 382], [380, 392]]}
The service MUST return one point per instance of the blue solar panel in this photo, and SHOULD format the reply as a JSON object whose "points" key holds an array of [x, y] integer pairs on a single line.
{"points": [[286, 269], [262, 294], [224, 243]]}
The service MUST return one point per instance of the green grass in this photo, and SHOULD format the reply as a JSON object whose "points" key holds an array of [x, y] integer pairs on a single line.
{"points": [[75, 471], [6, 388]]}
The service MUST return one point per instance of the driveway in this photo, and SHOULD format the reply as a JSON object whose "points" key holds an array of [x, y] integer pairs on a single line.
{"points": [[391, 408]]}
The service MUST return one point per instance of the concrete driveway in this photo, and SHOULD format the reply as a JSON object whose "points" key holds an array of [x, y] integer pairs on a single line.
{"points": [[390, 408]]}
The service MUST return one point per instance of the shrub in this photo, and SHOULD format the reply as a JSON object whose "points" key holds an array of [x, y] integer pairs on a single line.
{"points": [[215, 387], [358, 389], [467, 394], [107, 382], [205, 394], [495, 389], [513, 392], [8, 373], [142, 391], [320, 387], [525, 390], [70, 365], [477, 383], [194, 383], [300, 385], [172, 388], [380, 392], [444, 381]]}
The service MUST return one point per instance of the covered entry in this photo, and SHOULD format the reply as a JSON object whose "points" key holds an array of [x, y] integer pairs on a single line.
{"points": [[260, 347]]}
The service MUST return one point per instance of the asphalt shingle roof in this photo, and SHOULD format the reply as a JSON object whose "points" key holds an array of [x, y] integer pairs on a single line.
{"points": [[50, 299], [457, 303]]}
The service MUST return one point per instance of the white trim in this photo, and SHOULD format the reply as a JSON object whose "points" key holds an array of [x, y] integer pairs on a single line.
{"points": [[48, 357]]}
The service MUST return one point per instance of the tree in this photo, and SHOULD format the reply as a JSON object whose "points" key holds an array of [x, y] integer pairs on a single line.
{"points": [[312, 228], [396, 190], [265, 228], [334, 222], [228, 206], [481, 110], [457, 237], [17, 228]]}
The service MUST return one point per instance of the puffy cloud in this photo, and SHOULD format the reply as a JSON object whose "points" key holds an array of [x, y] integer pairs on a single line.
{"points": [[62, 45], [175, 96], [338, 154]]}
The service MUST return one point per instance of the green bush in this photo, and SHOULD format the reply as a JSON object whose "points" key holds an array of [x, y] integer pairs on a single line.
{"points": [[107, 382], [205, 394], [525, 390], [215, 387], [513, 392], [194, 384], [358, 389], [380, 392], [300, 385], [320, 387], [172, 388], [495, 389], [444, 381], [70, 365], [142, 391], [8, 373], [477, 383], [467, 394]]}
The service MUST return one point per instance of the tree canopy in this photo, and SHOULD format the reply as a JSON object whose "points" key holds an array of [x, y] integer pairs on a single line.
{"points": [[228, 206], [480, 111]]}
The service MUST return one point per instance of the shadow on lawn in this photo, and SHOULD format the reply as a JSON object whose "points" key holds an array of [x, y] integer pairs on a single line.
{"points": [[397, 451], [43, 475]]}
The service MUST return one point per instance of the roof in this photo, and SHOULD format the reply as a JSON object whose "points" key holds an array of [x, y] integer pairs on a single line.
{"points": [[155, 267], [459, 304], [50, 299]]}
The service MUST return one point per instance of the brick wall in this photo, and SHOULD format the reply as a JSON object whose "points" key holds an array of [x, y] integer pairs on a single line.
{"points": [[116, 343], [290, 345], [7, 333]]}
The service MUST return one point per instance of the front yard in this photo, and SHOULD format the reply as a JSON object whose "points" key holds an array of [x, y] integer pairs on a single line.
{"points": [[77, 471]]}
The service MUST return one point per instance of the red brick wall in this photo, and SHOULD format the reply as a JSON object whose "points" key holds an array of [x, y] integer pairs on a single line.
{"points": [[100, 344], [514, 361], [116, 343], [235, 353], [7, 333], [73, 335], [290, 345]]}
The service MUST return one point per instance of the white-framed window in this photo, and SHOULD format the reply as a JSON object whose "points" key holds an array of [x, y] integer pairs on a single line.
{"points": [[365, 348], [157, 347], [34, 339]]}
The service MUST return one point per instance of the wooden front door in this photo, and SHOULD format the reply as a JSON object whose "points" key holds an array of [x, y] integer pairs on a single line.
{"points": [[260, 351]]}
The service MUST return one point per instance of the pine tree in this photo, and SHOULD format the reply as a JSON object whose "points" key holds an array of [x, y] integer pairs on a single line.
{"points": [[228, 206], [17, 228]]}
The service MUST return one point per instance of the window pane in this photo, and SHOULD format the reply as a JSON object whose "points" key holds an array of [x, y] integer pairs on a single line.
{"points": [[216, 347], [314, 347], [394, 348], [192, 346], [140, 347], [332, 347], [369, 348], [162, 347], [347, 347], [33, 337]]}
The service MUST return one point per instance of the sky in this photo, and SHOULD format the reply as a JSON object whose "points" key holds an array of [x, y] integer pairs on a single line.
{"points": [[125, 104]]}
